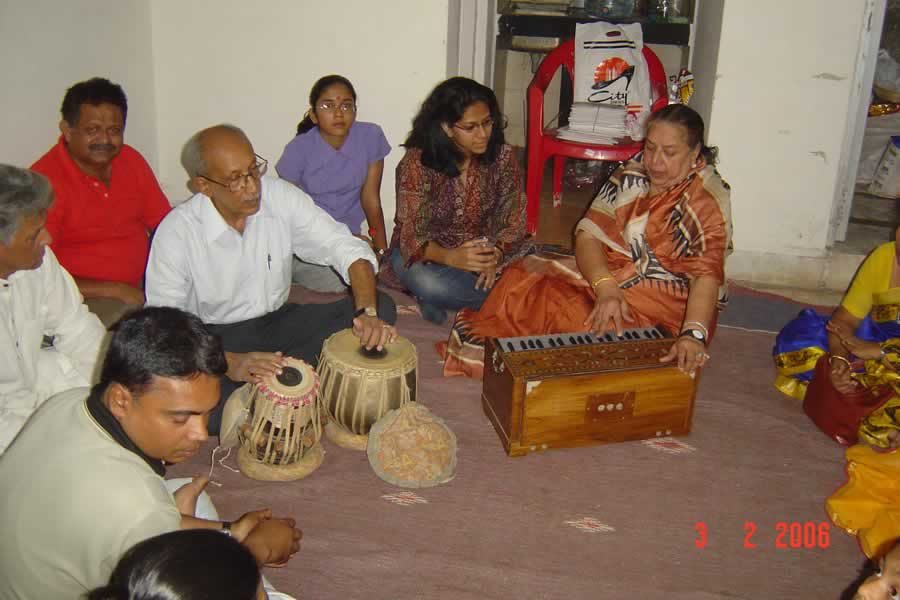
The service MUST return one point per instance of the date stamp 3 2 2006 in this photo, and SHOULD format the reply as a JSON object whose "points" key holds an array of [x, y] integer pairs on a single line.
{"points": [[793, 534]]}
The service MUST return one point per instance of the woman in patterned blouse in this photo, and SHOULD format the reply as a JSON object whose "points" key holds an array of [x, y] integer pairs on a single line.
{"points": [[460, 208]]}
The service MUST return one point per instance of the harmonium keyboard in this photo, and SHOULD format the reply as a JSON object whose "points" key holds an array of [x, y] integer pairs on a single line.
{"points": [[578, 389]]}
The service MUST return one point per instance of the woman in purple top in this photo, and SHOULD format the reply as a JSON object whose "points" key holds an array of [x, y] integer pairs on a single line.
{"points": [[338, 161]]}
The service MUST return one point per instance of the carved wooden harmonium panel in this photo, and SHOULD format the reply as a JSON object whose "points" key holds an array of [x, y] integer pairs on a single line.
{"points": [[577, 389], [585, 352]]}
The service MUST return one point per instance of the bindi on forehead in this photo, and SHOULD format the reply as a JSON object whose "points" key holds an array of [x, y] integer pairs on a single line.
{"points": [[336, 92]]}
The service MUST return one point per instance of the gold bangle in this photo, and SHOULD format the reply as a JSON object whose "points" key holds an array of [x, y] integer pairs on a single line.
{"points": [[600, 280], [841, 358]]}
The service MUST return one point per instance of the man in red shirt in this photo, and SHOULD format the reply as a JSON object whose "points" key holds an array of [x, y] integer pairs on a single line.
{"points": [[108, 201]]}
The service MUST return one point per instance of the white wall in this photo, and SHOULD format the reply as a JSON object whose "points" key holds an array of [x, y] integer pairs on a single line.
{"points": [[50, 44], [705, 54], [779, 113], [777, 99], [252, 64]]}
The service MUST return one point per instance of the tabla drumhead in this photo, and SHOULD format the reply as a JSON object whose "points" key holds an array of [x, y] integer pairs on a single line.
{"points": [[344, 347], [296, 384]]}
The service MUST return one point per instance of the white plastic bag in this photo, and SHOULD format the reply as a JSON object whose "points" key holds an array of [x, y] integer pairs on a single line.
{"points": [[886, 182], [887, 72], [610, 67]]}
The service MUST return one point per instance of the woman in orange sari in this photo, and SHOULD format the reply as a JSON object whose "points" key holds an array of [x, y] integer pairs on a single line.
{"points": [[650, 250]]}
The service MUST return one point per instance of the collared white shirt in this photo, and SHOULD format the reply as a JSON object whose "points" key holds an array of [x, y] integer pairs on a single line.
{"points": [[200, 264], [35, 303]]}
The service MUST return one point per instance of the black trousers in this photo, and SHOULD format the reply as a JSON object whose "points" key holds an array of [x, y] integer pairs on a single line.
{"points": [[297, 330]]}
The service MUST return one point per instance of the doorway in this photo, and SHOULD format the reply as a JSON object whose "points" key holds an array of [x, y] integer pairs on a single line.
{"points": [[864, 217]]}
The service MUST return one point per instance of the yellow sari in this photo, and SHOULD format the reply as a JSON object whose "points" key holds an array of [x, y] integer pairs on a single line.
{"points": [[868, 505]]}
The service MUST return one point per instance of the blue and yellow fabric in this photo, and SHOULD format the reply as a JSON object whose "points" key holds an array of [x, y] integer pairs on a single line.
{"points": [[876, 428], [801, 342]]}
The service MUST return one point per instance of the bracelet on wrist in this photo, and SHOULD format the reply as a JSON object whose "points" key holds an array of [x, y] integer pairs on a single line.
{"points": [[840, 358], [698, 325], [600, 280]]}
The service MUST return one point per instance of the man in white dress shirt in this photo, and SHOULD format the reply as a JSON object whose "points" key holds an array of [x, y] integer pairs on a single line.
{"points": [[38, 298], [226, 254]]}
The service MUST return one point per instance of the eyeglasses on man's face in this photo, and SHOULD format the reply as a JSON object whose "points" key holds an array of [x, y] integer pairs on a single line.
{"points": [[331, 106], [238, 182]]}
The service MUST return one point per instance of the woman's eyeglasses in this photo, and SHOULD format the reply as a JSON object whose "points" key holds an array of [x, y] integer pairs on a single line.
{"points": [[330, 106], [487, 126]]}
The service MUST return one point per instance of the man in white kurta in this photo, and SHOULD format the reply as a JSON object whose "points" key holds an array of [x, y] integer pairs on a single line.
{"points": [[38, 298], [226, 254]]}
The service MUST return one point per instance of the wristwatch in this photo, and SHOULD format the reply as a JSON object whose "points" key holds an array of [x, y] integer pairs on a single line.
{"points": [[369, 311], [226, 528], [694, 334]]}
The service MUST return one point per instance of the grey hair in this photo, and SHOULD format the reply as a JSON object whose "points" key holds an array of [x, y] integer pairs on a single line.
{"points": [[192, 152], [23, 193]]}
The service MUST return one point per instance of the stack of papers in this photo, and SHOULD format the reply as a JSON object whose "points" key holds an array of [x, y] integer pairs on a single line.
{"points": [[594, 124]]}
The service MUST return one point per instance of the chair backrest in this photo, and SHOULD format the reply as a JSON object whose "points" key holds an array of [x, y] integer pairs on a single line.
{"points": [[564, 56]]}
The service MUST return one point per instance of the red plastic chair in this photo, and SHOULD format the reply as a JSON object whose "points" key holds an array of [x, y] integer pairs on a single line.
{"points": [[543, 143]]}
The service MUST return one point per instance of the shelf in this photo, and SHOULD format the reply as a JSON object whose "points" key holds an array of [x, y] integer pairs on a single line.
{"points": [[563, 27]]}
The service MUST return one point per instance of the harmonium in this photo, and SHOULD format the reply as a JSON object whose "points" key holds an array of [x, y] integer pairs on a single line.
{"points": [[579, 389]]}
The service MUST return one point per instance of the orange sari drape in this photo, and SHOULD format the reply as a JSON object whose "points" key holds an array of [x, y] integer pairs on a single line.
{"points": [[654, 245]]}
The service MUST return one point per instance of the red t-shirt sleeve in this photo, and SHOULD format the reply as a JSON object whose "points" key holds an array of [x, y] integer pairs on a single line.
{"points": [[156, 205]]}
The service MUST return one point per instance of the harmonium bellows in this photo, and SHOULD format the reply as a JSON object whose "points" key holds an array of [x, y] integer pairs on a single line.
{"points": [[579, 389]]}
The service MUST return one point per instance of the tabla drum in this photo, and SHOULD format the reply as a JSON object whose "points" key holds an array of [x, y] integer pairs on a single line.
{"points": [[360, 386], [280, 439]]}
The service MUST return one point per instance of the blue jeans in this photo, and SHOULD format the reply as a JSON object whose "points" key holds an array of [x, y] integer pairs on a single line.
{"points": [[438, 288]]}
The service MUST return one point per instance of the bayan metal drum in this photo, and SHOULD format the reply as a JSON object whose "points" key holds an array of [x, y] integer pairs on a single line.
{"points": [[359, 386]]}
